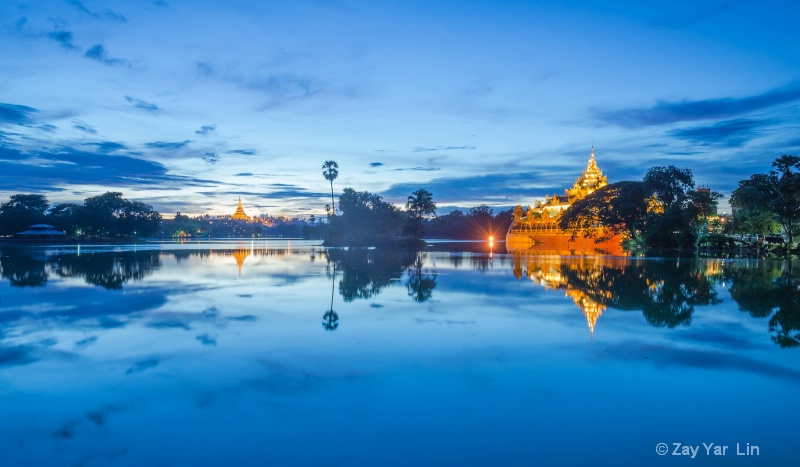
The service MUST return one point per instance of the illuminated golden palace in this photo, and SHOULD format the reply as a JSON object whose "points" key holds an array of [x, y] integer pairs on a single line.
{"points": [[539, 223]]}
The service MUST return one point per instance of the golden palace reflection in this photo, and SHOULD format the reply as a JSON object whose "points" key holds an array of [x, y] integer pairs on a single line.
{"points": [[667, 292], [549, 272]]}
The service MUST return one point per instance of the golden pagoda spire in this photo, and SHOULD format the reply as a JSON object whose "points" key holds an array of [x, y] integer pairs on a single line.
{"points": [[592, 179], [240, 215]]}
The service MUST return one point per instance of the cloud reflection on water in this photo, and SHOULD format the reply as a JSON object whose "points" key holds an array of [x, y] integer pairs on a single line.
{"points": [[497, 349]]}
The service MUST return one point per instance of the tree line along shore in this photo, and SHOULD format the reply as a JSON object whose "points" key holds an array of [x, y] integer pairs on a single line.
{"points": [[664, 210]]}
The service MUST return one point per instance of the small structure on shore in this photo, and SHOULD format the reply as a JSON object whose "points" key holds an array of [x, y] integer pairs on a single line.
{"points": [[41, 231]]}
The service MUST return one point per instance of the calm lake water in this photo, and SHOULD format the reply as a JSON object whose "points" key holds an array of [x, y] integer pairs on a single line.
{"points": [[281, 353]]}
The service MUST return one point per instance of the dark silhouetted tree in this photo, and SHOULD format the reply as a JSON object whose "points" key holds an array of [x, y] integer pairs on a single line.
{"points": [[616, 208], [668, 185], [786, 182], [365, 220], [22, 211], [330, 170], [111, 215], [752, 213], [419, 206]]}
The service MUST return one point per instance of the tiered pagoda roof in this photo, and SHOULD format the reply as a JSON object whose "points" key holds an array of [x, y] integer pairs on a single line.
{"points": [[592, 179], [240, 215]]}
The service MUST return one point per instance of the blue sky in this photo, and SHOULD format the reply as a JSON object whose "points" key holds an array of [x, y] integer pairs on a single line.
{"points": [[188, 105]]}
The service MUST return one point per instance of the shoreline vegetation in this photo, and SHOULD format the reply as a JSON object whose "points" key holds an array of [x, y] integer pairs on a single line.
{"points": [[664, 213]]}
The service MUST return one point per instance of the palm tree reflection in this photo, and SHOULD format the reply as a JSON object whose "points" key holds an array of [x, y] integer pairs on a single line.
{"points": [[420, 283], [330, 320]]}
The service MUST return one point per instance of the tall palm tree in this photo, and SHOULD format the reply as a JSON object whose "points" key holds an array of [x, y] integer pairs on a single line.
{"points": [[330, 170], [420, 205]]}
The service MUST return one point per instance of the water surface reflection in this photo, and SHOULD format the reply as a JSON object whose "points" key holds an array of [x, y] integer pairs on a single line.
{"points": [[462, 356]]}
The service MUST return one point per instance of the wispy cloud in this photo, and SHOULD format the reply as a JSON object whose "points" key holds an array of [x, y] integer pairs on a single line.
{"points": [[498, 188], [276, 89], [205, 339], [673, 112], [64, 38], [244, 174], [17, 355], [83, 126], [106, 14], [243, 152], [206, 130], [100, 54], [83, 343], [275, 191], [168, 145], [142, 104], [106, 147], [169, 324], [16, 114], [99, 416], [79, 6], [684, 153], [442, 148], [417, 169], [142, 365], [51, 170], [730, 133], [210, 157]]}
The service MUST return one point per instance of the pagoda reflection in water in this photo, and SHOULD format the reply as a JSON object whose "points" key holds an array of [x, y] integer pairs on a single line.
{"points": [[666, 292], [550, 272]]}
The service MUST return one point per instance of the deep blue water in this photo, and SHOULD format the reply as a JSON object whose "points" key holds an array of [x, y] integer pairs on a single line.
{"points": [[284, 353]]}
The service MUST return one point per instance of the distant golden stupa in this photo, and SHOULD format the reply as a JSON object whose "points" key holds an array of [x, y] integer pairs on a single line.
{"points": [[240, 215]]}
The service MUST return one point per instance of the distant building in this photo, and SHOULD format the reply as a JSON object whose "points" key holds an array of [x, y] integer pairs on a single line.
{"points": [[41, 231], [240, 215]]}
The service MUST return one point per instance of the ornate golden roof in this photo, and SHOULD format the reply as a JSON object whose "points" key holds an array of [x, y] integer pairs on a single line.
{"points": [[592, 179], [240, 214]]}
